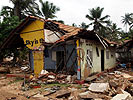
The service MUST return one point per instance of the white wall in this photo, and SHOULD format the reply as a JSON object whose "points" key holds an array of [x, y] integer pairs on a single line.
{"points": [[108, 63]]}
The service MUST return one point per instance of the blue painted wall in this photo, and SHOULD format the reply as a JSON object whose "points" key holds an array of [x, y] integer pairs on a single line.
{"points": [[31, 60], [50, 64]]}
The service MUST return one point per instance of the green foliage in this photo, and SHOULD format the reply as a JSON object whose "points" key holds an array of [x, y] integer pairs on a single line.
{"points": [[83, 25], [48, 10], [6, 26], [22, 54], [127, 19], [22, 8], [98, 22]]}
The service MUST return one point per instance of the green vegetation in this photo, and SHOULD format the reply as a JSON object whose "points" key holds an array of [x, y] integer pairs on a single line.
{"points": [[10, 17]]}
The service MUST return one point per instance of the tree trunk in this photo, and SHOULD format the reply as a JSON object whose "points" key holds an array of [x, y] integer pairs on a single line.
{"points": [[17, 10]]}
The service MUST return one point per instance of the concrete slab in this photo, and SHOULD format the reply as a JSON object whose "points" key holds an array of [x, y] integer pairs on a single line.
{"points": [[99, 87]]}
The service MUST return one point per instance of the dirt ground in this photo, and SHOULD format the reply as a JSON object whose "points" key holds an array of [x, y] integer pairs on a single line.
{"points": [[11, 88]]}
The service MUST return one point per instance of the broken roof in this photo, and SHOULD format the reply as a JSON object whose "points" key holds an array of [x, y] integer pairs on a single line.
{"points": [[14, 39]]}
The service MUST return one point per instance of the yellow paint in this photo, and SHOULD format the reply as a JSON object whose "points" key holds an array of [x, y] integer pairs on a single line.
{"points": [[38, 62], [78, 53], [32, 39]]}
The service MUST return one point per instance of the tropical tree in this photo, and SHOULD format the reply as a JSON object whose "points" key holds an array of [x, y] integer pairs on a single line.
{"points": [[127, 20], [130, 33], [7, 24], [113, 32], [98, 22], [83, 25], [48, 10], [22, 8]]}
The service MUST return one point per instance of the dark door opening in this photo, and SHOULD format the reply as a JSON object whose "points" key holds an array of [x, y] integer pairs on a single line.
{"points": [[102, 60], [59, 60]]}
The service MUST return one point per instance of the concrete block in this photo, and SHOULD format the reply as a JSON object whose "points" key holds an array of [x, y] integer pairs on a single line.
{"points": [[99, 87]]}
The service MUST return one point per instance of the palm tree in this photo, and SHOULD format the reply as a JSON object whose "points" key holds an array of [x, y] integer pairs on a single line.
{"points": [[96, 17], [113, 32], [22, 8], [48, 10], [127, 19], [83, 25], [6, 12]]}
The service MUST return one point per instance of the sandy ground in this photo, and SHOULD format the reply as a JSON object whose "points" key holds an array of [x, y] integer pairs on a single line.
{"points": [[10, 89]]}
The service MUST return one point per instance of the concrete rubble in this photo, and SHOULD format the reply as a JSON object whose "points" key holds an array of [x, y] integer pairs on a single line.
{"points": [[99, 87], [108, 85]]}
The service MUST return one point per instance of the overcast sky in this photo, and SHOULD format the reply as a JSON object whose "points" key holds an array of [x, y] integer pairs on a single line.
{"points": [[74, 11]]}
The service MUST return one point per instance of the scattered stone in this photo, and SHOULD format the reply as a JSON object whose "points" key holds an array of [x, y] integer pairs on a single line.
{"points": [[98, 99], [124, 92], [87, 95], [51, 76], [121, 97], [130, 89], [4, 70], [51, 81], [46, 93], [74, 77], [44, 72], [38, 95], [71, 98], [63, 93], [69, 78], [113, 84], [91, 78], [117, 72], [99, 87], [111, 73], [126, 75], [131, 79]]}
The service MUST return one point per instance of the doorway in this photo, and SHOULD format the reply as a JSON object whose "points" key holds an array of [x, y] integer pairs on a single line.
{"points": [[59, 60], [102, 60]]}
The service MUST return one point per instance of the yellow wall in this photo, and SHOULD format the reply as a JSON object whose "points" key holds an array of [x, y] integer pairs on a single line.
{"points": [[108, 63], [38, 62], [33, 39]]}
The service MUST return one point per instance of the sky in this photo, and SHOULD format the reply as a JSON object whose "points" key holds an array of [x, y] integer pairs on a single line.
{"points": [[74, 11]]}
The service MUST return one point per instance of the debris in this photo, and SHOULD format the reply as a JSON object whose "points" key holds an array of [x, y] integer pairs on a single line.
{"points": [[91, 78], [124, 92], [46, 93], [117, 72], [69, 78], [38, 96], [99, 87], [80, 81], [126, 75], [51, 76], [63, 93], [44, 72], [113, 84], [89, 95], [18, 75], [130, 89], [71, 98], [121, 97], [4, 70]]}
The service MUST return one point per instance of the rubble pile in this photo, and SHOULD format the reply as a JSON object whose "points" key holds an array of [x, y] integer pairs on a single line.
{"points": [[116, 85]]}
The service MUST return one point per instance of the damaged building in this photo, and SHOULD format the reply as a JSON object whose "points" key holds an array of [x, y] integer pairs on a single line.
{"points": [[125, 52], [62, 48]]}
